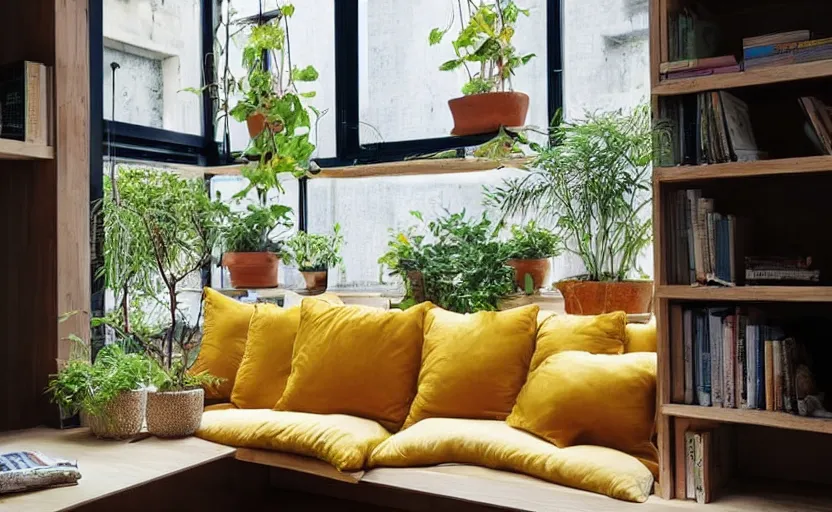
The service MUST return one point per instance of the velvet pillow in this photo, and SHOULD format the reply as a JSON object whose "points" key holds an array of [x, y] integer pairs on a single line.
{"points": [[597, 334], [641, 337], [473, 366]]}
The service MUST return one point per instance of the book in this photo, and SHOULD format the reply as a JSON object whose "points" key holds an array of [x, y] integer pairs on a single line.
{"points": [[751, 358], [690, 456], [696, 236], [762, 335], [705, 209], [777, 373], [698, 64], [729, 358], [742, 361], [778, 276], [24, 102], [740, 131], [789, 394], [702, 360], [777, 38], [701, 476], [769, 373], [810, 108], [761, 51], [687, 337], [693, 73], [716, 348]]}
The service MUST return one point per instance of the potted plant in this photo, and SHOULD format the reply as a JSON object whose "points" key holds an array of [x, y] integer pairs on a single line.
{"points": [[485, 44], [109, 393], [315, 255], [251, 254], [594, 182], [529, 251], [174, 408]]}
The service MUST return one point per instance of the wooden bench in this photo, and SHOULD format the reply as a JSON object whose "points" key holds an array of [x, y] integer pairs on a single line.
{"points": [[147, 474]]}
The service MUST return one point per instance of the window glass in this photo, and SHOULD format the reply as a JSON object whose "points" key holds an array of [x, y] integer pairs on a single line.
{"points": [[312, 40], [157, 46], [404, 95]]}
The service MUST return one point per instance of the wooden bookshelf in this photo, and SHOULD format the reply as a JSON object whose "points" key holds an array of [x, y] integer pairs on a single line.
{"points": [[750, 417], [761, 76], [783, 201], [17, 150]]}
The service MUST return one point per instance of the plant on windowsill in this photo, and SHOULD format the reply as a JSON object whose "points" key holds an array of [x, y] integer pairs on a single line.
{"points": [[484, 43], [529, 252], [594, 183], [315, 255]]}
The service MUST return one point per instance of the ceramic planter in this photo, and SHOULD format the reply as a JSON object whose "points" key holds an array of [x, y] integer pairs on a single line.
{"points": [[597, 297], [538, 269], [252, 269], [486, 113], [316, 281], [123, 417], [175, 413], [256, 123]]}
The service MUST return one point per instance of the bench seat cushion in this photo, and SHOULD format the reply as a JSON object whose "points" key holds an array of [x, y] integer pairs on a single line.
{"points": [[343, 441], [496, 445]]}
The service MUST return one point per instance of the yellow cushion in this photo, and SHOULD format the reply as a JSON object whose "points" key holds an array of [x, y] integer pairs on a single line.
{"points": [[473, 366], [355, 360], [496, 445], [219, 407], [577, 398], [224, 333], [343, 441], [598, 334], [267, 361], [641, 337]]}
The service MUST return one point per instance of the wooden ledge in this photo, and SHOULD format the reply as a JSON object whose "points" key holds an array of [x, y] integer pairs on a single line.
{"points": [[297, 463]]}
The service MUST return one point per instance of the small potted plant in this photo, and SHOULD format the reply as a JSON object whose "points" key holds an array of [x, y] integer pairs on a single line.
{"points": [[315, 255], [529, 251], [251, 253], [110, 393], [484, 44], [595, 184], [174, 408]]}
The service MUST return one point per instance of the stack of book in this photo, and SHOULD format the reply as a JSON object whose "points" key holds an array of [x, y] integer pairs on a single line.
{"points": [[707, 128], [703, 242], [26, 102], [734, 362], [707, 463], [778, 271], [690, 68], [819, 123], [785, 48], [691, 35]]}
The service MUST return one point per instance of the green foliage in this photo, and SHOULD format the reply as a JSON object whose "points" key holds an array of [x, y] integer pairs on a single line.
{"points": [[81, 386], [462, 265], [531, 242], [595, 184], [484, 43], [315, 253], [254, 229], [177, 378]]}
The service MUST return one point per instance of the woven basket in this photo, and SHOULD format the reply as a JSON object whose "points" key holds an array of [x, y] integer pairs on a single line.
{"points": [[123, 417], [175, 413]]}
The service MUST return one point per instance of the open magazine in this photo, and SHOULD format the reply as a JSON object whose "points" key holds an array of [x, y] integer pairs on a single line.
{"points": [[23, 471]]}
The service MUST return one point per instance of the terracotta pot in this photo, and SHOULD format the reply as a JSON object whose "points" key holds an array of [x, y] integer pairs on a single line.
{"points": [[252, 269], [256, 123], [486, 113], [538, 269], [123, 417], [175, 413], [316, 281], [594, 298]]}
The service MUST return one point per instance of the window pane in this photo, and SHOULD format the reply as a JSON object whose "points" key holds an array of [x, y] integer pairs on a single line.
{"points": [[312, 39], [403, 95], [157, 44]]}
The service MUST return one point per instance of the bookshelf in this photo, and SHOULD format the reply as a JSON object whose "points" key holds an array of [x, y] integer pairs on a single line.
{"points": [[781, 197], [44, 212]]}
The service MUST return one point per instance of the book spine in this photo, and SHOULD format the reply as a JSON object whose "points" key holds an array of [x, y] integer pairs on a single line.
{"points": [[769, 374], [32, 86], [698, 466], [708, 457], [777, 359], [703, 360], [728, 360], [751, 340], [689, 215], [742, 362], [715, 338], [789, 404], [769, 50], [761, 368], [696, 233], [687, 321], [690, 456]]}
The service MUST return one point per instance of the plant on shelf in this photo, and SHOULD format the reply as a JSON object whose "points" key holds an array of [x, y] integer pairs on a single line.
{"points": [[528, 252], [484, 49], [109, 392], [462, 266], [595, 185], [314, 255]]}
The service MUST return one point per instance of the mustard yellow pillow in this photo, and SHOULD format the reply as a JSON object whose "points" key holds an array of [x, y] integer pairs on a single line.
{"points": [[267, 361], [344, 441], [355, 360], [577, 398], [224, 334], [641, 337], [495, 445], [473, 366], [597, 334]]}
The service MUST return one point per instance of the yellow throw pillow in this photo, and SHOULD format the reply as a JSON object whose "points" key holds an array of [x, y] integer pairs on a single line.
{"points": [[267, 361], [473, 366], [577, 398], [343, 441], [355, 360], [597, 334], [224, 334], [641, 337], [495, 445]]}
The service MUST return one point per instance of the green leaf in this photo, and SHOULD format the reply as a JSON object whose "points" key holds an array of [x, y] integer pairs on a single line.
{"points": [[288, 10], [308, 94], [307, 74], [526, 58], [451, 65], [436, 36], [529, 282]]}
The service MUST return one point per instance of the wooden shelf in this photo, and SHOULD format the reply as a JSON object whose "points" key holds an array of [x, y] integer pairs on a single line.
{"points": [[750, 417], [746, 293], [17, 150], [760, 76], [810, 164]]}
